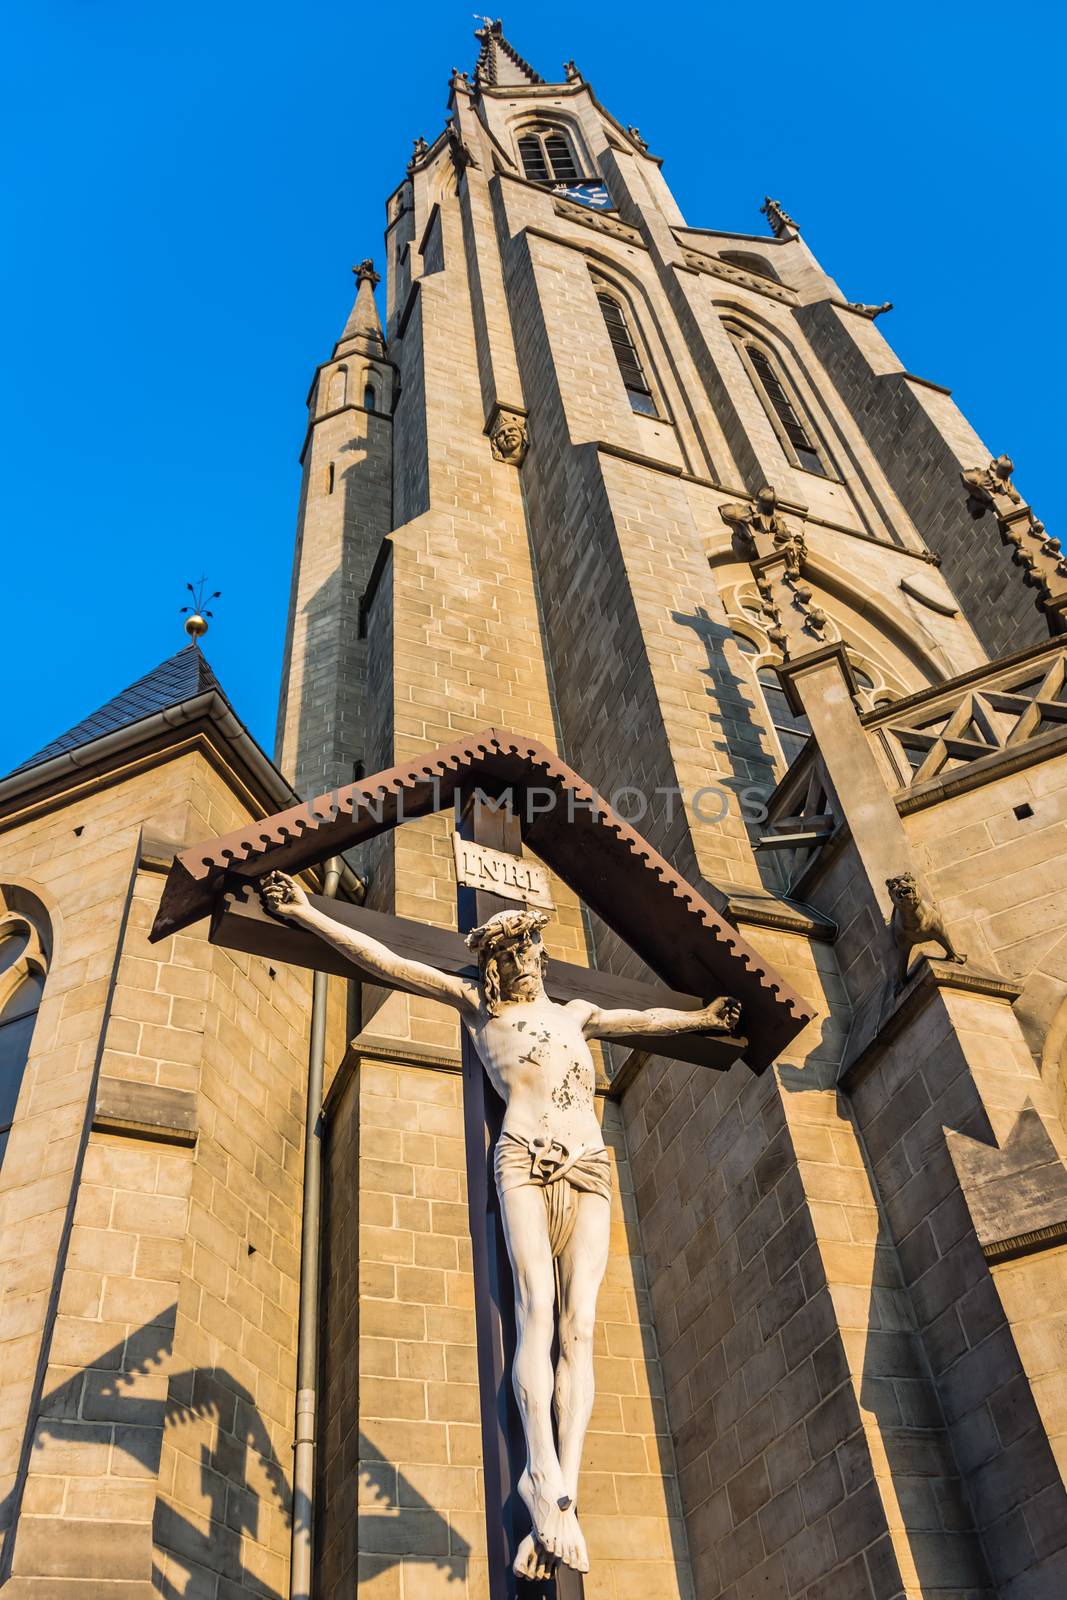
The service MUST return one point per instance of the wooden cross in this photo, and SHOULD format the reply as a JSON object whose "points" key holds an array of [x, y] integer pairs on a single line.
{"points": [[240, 923]]}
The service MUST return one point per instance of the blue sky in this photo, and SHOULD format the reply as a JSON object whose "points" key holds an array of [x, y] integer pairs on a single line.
{"points": [[191, 184]]}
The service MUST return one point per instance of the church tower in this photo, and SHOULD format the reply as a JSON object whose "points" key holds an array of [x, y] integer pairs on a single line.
{"points": [[614, 497]]}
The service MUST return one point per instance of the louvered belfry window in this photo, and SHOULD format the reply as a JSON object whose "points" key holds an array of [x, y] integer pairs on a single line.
{"points": [[785, 411], [631, 371], [547, 158]]}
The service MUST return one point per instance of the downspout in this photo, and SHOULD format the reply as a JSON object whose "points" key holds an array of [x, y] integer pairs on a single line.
{"points": [[307, 1348]]}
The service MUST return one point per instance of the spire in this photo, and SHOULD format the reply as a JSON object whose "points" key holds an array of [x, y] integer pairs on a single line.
{"points": [[363, 321], [499, 64]]}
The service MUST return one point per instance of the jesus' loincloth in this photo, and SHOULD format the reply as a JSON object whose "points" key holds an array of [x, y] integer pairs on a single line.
{"points": [[560, 1174]]}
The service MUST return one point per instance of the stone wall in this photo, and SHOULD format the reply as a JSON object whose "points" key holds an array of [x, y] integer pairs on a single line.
{"points": [[922, 443], [161, 1441]]}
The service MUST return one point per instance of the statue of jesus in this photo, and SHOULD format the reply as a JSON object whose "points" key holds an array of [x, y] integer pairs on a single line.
{"points": [[552, 1174]]}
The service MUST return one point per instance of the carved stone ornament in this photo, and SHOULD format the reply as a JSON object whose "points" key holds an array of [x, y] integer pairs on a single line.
{"points": [[761, 519], [460, 151], [870, 311], [1040, 556], [510, 438], [419, 151], [984, 484], [570, 72], [915, 920], [782, 224], [365, 273], [635, 135]]}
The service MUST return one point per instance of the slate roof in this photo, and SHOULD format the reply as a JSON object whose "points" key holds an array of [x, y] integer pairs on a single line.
{"points": [[181, 677]]}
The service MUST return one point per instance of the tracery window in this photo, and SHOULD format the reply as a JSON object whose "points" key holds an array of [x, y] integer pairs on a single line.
{"points": [[547, 156], [638, 389], [792, 730], [24, 952]]}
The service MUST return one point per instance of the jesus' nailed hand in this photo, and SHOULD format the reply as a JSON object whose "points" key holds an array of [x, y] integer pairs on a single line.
{"points": [[552, 1174]]}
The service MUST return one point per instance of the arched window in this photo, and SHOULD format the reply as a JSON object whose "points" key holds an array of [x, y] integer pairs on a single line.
{"points": [[782, 406], [547, 156], [638, 391], [24, 953], [369, 398], [338, 388], [791, 729]]}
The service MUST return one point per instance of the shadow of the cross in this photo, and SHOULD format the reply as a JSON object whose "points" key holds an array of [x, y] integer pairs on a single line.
{"points": [[237, 1468]]}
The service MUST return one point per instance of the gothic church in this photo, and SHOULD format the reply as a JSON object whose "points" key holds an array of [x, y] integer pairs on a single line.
{"points": [[657, 501]]}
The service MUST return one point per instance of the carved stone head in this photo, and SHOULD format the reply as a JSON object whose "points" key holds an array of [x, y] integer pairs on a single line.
{"points": [[510, 440], [904, 890]]}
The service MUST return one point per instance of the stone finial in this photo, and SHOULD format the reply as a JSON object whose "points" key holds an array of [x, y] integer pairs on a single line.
{"points": [[1041, 557], [635, 135], [782, 224], [419, 151], [509, 438], [915, 920], [570, 72], [365, 273]]}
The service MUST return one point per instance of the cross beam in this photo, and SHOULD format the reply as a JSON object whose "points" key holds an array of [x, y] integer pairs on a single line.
{"points": [[240, 923]]}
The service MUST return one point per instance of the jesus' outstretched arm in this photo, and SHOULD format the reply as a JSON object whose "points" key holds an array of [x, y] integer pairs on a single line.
{"points": [[284, 898], [719, 1016]]}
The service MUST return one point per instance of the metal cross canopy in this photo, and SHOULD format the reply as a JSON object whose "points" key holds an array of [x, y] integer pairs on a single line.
{"points": [[664, 919]]}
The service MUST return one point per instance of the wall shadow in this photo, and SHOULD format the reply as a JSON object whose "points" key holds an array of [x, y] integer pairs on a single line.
{"points": [[238, 1470], [743, 737]]}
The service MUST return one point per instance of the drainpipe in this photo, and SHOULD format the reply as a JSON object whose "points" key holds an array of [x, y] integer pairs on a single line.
{"points": [[307, 1349]]}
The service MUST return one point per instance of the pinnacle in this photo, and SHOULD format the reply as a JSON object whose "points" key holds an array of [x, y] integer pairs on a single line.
{"points": [[363, 321], [499, 64]]}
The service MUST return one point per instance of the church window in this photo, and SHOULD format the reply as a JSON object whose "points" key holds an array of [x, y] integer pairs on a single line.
{"points": [[638, 391], [22, 976], [780, 403], [329, 478], [547, 157], [369, 398], [791, 729]]}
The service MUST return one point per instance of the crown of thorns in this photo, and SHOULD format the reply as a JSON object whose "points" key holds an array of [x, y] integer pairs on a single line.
{"points": [[503, 929]]}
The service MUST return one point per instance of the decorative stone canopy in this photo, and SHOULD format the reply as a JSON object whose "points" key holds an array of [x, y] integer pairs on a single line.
{"points": [[620, 876]]}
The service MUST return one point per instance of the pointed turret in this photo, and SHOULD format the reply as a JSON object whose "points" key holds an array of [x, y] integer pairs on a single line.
{"points": [[499, 64], [363, 320]]}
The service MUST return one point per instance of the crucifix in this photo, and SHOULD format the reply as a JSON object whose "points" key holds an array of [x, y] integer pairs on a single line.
{"points": [[551, 1168], [538, 1179]]}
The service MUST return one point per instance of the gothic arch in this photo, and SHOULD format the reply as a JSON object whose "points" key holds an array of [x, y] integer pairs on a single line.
{"points": [[25, 958], [751, 262], [549, 122], [858, 602], [789, 409]]}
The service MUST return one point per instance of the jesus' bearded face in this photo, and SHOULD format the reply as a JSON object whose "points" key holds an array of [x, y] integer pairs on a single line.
{"points": [[520, 964]]}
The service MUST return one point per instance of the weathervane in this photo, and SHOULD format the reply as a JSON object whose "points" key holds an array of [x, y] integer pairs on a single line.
{"points": [[196, 615]]}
